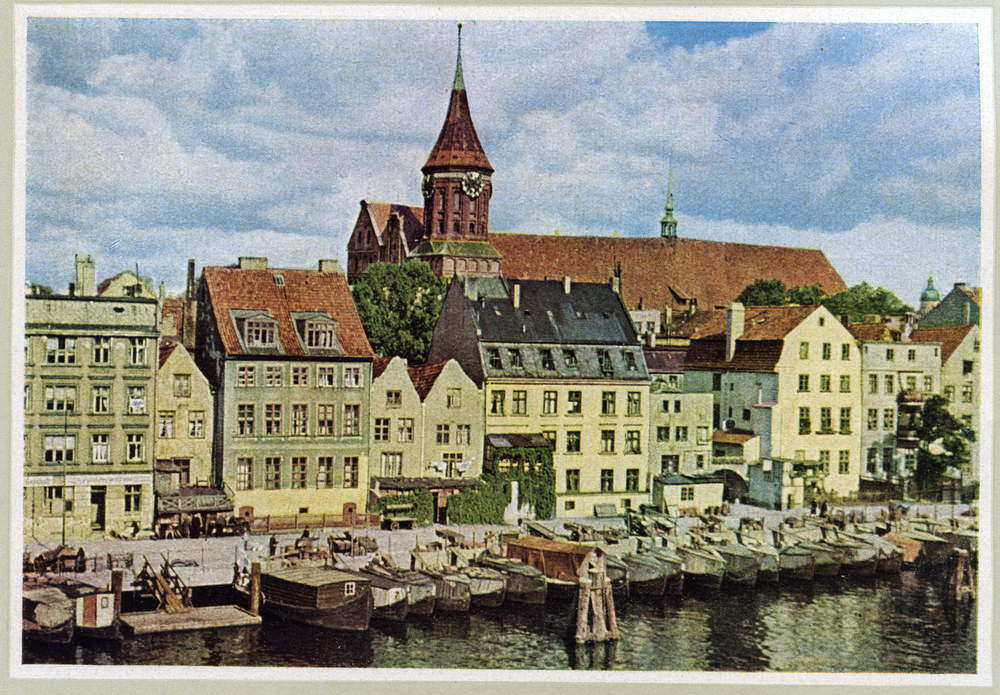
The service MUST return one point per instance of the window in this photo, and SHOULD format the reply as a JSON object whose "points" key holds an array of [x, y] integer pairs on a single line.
{"points": [[381, 433], [928, 384], [101, 399], [663, 434], [845, 383], [573, 442], [272, 375], [845, 351], [58, 500], [681, 434], [717, 381], [352, 423], [246, 376], [889, 419], [569, 505], [873, 383], [137, 351], [845, 420], [873, 418], [136, 400], [607, 480], [300, 376], [519, 403], [496, 402], [405, 431], [824, 383], [463, 434], [803, 351], [805, 422], [493, 355], [632, 442], [352, 377], [967, 393], [244, 474], [910, 460], [824, 459], [844, 463], [100, 451], [803, 383], [569, 357], [550, 402], [548, 362], [393, 399], [392, 464], [872, 460], [669, 463], [825, 420], [324, 472], [687, 493], [60, 398], [326, 377], [325, 419], [182, 385], [632, 480], [673, 381], [244, 420], [443, 434], [300, 419], [575, 402], [60, 350], [967, 366], [320, 334], [196, 424], [634, 404], [272, 419], [259, 333], [133, 498], [102, 350], [608, 403], [572, 480], [166, 424], [514, 357], [550, 435], [350, 471], [827, 351], [454, 398], [453, 461], [887, 456], [911, 355], [607, 441], [134, 448], [949, 393], [630, 364], [60, 448], [699, 461], [272, 473], [299, 468], [890, 355], [890, 383], [604, 362]]}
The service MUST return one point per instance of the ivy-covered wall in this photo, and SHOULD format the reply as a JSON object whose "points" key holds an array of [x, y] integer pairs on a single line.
{"points": [[530, 467], [422, 501]]}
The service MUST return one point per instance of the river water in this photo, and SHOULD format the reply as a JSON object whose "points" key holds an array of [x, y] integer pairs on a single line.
{"points": [[896, 624]]}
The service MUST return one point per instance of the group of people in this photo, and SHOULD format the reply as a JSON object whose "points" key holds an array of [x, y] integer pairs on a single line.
{"points": [[822, 508]]}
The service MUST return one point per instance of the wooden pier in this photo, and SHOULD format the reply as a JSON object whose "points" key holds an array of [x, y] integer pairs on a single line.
{"points": [[208, 617]]}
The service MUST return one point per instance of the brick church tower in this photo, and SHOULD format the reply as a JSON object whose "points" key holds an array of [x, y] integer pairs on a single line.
{"points": [[457, 189]]}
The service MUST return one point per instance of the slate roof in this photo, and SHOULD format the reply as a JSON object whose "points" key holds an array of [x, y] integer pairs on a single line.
{"points": [[665, 360], [423, 376], [661, 273], [950, 337], [679, 479], [303, 291], [458, 145]]}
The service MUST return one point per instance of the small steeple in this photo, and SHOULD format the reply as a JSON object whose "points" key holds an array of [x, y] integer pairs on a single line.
{"points": [[459, 80], [668, 223], [930, 293]]}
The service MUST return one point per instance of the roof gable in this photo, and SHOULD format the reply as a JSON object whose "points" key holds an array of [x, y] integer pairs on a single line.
{"points": [[950, 337], [760, 322], [424, 376]]}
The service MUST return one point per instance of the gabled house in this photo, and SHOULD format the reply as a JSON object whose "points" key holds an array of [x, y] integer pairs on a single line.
{"points": [[959, 307], [290, 364], [558, 359]]}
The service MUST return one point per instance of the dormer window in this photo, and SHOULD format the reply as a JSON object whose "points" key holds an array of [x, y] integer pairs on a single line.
{"points": [[319, 334], [570, 357], [604, 361], [515, 357], [630, 364], [493, 354], [279, 280], [547, 361], [259, 333]]}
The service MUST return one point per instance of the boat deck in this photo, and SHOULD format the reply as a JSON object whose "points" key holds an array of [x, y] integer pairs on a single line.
{"points": [[208, 617]]}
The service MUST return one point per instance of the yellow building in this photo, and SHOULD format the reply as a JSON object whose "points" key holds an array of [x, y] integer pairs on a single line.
{"points": [[680, 423], [183, 417]]}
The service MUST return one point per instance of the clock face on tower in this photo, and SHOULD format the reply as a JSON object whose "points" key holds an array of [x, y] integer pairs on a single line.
{"points": [[473, 184], [427, 186]]}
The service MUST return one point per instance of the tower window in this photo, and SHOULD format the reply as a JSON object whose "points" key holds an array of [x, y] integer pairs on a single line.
{"points": [[472, 228], [456, 227]]}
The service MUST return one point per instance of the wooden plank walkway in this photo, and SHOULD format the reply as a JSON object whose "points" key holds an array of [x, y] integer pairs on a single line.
{"points": [[205, 618]]}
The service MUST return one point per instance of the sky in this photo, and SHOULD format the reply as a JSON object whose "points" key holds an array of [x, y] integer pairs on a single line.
{"points": [[151, 141]]}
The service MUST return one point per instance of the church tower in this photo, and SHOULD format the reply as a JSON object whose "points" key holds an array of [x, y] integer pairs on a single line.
{"points": [[457, 190], [929, 298], [668, 223]]}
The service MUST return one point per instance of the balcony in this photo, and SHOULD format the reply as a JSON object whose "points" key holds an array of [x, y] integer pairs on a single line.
{"points": [[194, 499]]}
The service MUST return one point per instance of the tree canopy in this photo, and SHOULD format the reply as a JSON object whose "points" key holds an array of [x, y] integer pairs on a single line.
{"points": [[399, 305], [857, 302], [944, 442]]}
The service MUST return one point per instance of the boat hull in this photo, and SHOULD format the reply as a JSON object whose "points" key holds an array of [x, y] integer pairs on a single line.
{"points": [[522, 583], [58, 634], [351, 616]]}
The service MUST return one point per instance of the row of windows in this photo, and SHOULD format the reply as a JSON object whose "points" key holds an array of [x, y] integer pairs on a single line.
{"points": [[195, 429], [911, 354], [392, 464], [826, 350], [453, 398], [825, 421], [908, 383], [607, 480], [58, 500], [274, 426], [949, 393], [64, 350], [262, 332], [273, 376], [825, 383], [62, 448], [888, 418], [888, 455], [547, 357], [63, 399], [671, 463], [574, 403], [328, 473], [681, 434]]}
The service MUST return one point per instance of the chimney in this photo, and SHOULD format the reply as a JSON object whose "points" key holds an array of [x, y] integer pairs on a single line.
{"points": [[966, 312], [85, 284], [191, 286], [961, 285], [188, 323], [517, 295], [253, 263], [735, 318], [567, 284], [329, 265], [651, 340], [616, 284]]}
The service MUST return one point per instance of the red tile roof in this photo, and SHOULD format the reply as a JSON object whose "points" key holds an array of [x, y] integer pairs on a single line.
{"points": [[458, 145], [423, 376], [732, 436], [760, 322], [166, 350], [950, 337], [173, 307], [878, 331], [750, 356], [663, 360], [379, 365], [412, 218], [660, 273], [302, 291]]}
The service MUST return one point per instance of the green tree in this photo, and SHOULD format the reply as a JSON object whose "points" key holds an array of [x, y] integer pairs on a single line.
{"points": [[764, 293], [806, 296], [399, 305], [864, 300], [944, 442]]}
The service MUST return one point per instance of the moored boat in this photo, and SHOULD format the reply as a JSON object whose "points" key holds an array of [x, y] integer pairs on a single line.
{"points": [[559, 561], [329, 598], [421, 592], [703, 566], [391, 603], [47, 615], [767, 556], [522, 583], [742, 564], [673, 566], [487, 586], [453, 590], [647, 575], [796, 564]]}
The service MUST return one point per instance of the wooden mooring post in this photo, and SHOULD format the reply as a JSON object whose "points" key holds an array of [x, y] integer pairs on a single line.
{"points": [[255, 588], [595, 612], [963, 578]]}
